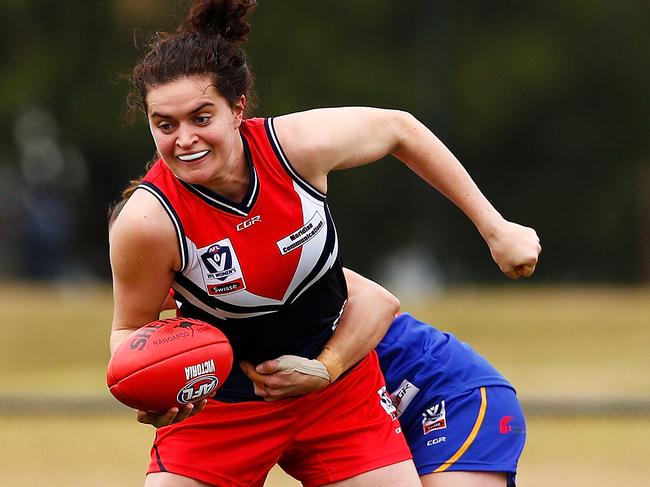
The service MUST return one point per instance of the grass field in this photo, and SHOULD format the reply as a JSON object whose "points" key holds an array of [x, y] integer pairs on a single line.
{"points": [[105, 451], [555, 343]]}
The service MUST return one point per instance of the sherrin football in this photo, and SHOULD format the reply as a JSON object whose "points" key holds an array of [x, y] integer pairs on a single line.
{"points": [[169, 363]]}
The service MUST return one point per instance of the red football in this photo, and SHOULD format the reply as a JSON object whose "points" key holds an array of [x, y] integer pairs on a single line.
{"points": [[169, 363]]}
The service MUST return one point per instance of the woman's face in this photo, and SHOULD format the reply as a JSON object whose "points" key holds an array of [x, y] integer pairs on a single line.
{"points": [[196, 131]]}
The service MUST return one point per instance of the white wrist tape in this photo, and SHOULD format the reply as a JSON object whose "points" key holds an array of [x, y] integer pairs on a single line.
{"points": [[293, 363]]}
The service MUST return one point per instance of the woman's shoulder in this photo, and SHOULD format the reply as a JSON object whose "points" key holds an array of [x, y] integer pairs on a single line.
{"points": [[142, 235], [143, 217]]}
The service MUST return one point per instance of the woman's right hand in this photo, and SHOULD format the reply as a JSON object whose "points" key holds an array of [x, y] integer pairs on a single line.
{"points": [[174, 415]]}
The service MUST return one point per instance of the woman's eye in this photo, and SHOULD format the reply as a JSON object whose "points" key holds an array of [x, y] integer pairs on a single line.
{"points": [[202, 120], [166, 127]]}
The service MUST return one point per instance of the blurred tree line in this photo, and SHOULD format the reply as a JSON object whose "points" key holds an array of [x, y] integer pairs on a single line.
{"points": [[545, 103]]}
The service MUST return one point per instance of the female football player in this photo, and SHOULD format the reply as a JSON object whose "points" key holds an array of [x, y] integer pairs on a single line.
{"points": [[431, 374], [233, 217]]}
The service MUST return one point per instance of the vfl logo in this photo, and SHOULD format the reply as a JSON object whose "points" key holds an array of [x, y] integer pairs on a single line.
{"points": [[218, 261], [197, 389], [434, 418], [221, 271]]}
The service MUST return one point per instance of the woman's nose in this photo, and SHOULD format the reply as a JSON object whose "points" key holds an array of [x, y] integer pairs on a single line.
{"points": [[186, 136]]}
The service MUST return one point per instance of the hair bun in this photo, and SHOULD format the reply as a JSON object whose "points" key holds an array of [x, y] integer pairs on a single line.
{"points": [[220, 17]]}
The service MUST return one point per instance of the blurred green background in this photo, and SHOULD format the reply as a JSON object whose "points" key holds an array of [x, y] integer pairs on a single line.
{"points": [[545, 103]]}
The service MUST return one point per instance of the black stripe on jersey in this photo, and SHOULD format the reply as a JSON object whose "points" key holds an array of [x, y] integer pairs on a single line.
{"points": [[223, 203], [178, 226], [212, 302], [161, 465], [328, 249], [282, 157]]}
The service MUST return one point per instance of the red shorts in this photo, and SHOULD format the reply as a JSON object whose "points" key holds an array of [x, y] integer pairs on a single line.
{"points": [[324, 437]]}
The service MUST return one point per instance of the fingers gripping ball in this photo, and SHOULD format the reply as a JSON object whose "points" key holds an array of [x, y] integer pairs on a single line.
{"points": [[169, 363]]}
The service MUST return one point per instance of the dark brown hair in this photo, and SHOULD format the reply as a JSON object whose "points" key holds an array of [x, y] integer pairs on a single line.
{"points": [[208, 42]]}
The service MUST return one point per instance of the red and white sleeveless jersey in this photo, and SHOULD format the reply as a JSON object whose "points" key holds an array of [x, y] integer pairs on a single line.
{"points": [[266, 270]]}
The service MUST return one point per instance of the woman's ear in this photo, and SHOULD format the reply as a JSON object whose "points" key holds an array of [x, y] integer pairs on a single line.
{"points": [[238, 111]]}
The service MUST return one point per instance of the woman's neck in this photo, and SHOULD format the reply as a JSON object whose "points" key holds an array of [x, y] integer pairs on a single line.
{"points": [[234, 182]]}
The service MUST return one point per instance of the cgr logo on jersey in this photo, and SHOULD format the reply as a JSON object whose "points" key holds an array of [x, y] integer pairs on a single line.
{"points": [[436, 441], [434, 418], [386, 403], [403, 396], [220, 267], [248, 223]]}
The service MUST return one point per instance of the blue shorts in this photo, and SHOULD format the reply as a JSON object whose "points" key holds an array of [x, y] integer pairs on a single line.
{"points": [[480, 430], [456, 410]]}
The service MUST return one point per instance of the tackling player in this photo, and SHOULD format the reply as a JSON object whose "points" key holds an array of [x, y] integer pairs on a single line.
{"points": [[461, 418]]}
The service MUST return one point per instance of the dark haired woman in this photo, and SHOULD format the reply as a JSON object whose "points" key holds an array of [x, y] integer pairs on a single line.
{"points": [[233, 216]]}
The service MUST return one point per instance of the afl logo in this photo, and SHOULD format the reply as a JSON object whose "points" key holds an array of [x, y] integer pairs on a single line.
{"points": [[218, 261], [220, 268], [197, 389]]}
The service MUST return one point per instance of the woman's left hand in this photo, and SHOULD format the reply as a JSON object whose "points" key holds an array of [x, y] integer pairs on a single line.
{"points": [[174, 415]]}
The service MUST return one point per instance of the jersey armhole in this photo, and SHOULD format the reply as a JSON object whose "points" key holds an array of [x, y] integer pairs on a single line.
{"points": [[288, 167], [178, 227]]}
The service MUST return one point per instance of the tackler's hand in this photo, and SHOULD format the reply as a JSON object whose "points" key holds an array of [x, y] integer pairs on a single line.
{"points": [[515, 249], [286, 376]]}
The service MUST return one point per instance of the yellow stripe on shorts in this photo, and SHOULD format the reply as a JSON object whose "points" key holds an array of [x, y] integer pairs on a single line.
{"points": [[470, 438]]}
